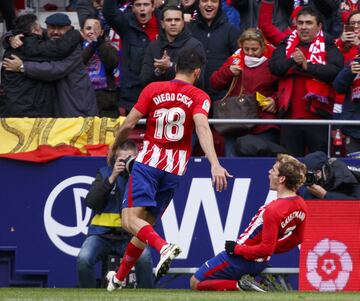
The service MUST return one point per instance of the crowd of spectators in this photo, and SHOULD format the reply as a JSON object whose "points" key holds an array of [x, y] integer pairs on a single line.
{"points": [[304, 65]]}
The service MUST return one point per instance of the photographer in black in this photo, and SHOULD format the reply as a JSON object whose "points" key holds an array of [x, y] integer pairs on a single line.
{"points": [[105, 234], [330, 178]]}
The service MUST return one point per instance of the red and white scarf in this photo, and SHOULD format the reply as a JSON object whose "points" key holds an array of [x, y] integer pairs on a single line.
{"points": [[239, 58], [316, 55]]}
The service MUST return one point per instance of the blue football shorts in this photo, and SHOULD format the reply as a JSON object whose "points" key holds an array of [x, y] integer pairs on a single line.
{"points": [[224, 266], [150, 187]]}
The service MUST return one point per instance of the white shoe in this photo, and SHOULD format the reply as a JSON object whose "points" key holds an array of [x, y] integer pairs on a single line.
{"points": [[113, 282], [166, 257]]}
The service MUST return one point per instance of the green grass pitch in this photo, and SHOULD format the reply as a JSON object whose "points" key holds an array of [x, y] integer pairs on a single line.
{"points": [[54, 294]]}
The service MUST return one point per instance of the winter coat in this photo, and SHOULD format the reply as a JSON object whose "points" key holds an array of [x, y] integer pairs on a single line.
{"points": [[257, 79], [134, 43], [231, 12], [288, 72], [271, 32], [331, 16], [338, 180], [76, 96], [351, 109], [249, 10], [275, 34], [219, 41], [106, 200], [156, 49], [25, 96]]}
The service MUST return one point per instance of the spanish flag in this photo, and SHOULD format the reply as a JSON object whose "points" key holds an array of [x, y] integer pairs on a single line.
{"points": [[46, 139]]}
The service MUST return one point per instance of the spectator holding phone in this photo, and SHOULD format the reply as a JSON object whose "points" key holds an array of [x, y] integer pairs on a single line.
{"points": [[349, 41]]}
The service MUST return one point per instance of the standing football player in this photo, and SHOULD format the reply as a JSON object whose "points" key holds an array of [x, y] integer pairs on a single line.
{"points": [[173, 109]]}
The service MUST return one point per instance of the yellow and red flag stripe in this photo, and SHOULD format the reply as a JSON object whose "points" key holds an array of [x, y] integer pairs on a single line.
{"points": [[45, 139]]}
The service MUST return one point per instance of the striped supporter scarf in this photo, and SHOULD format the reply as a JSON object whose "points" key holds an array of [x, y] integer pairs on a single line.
{"points": [[316, 90], [239, 58], [355, 91]]}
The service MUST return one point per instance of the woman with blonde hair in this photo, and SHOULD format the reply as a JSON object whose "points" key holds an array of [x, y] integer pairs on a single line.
{"points": [[250, 65]]}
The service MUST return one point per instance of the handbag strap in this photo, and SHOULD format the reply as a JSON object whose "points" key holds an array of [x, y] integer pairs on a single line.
{"points": [[232, 86]]}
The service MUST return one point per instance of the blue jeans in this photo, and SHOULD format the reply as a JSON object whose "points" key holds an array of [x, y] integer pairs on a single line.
{"points": [[230, 143], [96, 248]]}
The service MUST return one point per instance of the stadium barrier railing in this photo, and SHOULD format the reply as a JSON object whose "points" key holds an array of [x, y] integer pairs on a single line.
{"points": [[329, 122]]}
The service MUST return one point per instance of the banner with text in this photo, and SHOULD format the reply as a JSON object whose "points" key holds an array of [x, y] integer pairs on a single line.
{"points": [[45, 218]]}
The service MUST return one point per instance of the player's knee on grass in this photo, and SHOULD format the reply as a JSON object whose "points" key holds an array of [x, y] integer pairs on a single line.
{"points": [[193, 283]]}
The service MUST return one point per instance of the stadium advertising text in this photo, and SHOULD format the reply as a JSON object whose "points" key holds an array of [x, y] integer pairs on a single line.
{"points": [[47, 218]]}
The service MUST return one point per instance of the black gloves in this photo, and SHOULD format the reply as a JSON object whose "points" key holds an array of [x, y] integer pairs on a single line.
{"points": [[230, 246]]}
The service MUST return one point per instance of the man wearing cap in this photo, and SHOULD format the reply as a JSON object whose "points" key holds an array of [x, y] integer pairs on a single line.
{"points": [[76, 97], [24, 96], [330, 178]]}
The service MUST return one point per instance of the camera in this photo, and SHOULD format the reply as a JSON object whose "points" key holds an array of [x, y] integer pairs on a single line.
{"points": [[129, 162], [310, 178]]}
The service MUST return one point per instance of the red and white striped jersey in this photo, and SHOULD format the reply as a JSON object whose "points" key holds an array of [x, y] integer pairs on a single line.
{"points": [[277, 227], [169, 107]]}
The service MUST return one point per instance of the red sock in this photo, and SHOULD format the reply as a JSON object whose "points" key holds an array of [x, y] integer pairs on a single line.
{"points": [[148, 235], [129, 259], [217, 285]]}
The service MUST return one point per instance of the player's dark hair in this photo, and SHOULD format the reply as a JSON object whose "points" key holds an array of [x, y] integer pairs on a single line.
{"points": [[189, 60], [309, 10], [25, 24], [293, 170], [171, 7]]}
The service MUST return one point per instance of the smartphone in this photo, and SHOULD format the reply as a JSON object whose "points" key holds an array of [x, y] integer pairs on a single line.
{"points": [[348, 28]]}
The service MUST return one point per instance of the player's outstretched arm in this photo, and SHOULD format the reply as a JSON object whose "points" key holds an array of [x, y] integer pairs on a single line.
{"points": [[125, 128], [218, 172]]}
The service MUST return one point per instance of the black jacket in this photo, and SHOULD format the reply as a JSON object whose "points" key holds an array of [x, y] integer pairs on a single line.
{"points": [[219, 41], [28, 97], [249, 12], [134, 42], [156, 49], [351, 109], [280, 65], [329, 10], [341, 183]]}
